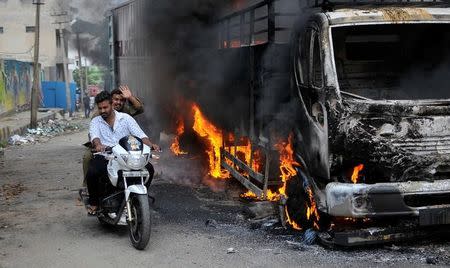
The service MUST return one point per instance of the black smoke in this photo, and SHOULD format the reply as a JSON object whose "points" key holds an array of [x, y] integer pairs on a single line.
{"points": [[185, 63], [189, 66]]}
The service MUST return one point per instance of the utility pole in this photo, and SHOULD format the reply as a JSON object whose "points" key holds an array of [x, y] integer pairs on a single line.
{"points": [[66, 75], [80, 75], [36, 79], [85, 74]]}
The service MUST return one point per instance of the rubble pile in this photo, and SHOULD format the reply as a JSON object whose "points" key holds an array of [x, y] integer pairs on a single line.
{"points": [[44, 130]]}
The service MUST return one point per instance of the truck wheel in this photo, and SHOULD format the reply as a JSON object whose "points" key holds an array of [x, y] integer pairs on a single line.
{"points": [[139, 226], [298, 202]]}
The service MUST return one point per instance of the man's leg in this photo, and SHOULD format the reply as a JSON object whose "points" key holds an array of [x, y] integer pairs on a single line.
{"points": [[86, 160], [151, 171], [96, 171]]}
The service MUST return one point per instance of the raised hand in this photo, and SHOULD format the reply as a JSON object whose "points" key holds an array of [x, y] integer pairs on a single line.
{"points": [[126, 92]]}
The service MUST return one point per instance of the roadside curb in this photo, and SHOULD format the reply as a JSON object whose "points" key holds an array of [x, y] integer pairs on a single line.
{"points": [[7, 132]]}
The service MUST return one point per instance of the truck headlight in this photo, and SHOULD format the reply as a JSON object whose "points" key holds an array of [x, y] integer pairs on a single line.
{"points": [[361, 203]]}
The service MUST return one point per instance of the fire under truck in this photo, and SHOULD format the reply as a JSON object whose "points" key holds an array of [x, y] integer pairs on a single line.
{"points": [[362, 88]]}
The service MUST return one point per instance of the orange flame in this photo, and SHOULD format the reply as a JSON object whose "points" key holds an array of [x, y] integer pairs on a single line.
{"points": [[287, 162], [207, 130], [257, 161], [292, 223], [312, 211], [249, 194], [287, 170], [175, 147], [355, 174]]}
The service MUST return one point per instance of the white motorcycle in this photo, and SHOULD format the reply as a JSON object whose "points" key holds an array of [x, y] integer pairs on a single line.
{"points": [[125, 201]]}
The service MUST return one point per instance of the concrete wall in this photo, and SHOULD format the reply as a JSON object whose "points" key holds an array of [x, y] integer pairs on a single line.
{"points": [[15, 85]]}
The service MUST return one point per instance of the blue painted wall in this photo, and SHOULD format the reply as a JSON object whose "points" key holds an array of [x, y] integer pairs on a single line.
{"points": [[55, 94]]}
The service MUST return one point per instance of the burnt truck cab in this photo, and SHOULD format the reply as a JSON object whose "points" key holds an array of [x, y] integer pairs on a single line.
{"points": [[372, 83]]}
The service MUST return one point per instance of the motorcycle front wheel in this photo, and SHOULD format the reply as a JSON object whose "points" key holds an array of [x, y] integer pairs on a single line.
{"points": [[139, 226]]}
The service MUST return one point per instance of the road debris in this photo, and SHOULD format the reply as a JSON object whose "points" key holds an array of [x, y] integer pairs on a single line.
{"points": [[211, 223], [54, 127], [296, 245], [10, 191], [260, 210], [45, 130], [431, 260], [17, 140]]}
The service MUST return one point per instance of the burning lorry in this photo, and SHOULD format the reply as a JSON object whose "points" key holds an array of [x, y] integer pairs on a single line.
{"points": [[362, 89], [339, 112]]}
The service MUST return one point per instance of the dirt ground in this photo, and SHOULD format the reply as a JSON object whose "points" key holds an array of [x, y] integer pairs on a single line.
{"points": [[43, 225]]}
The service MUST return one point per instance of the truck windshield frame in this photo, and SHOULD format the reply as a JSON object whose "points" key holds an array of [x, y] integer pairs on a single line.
{"points": [[392, 61]]}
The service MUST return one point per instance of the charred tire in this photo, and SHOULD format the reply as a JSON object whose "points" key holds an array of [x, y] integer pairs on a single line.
{"points": [[139, 226], [298, 202]]}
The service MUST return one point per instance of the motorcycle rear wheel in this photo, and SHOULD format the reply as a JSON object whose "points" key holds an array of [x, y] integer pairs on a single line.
{"points": [[140, 225]]}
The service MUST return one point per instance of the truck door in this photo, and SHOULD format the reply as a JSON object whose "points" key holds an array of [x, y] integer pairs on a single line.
{"points": [[311, 129]]}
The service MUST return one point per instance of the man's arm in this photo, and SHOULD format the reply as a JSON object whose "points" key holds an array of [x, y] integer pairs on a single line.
{"points": [[137, 107], [94, 135], [136, 130], [153, 146], [97, 145]]}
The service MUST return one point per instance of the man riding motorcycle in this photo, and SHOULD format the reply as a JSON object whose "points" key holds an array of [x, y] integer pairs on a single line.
{"points": [[122, 101], [106, 130]]}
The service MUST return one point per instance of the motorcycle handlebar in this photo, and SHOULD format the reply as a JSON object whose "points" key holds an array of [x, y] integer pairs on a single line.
{"points": [[108, 150]]}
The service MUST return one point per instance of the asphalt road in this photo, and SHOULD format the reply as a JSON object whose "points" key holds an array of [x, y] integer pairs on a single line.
{"points": [[195, 222]]}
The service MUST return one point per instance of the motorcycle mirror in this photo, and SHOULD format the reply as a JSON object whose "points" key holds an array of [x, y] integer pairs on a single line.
{"points": [[154, 156]]}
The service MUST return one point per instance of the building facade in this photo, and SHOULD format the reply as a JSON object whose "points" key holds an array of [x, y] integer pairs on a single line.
{"points": [[17, 32]]}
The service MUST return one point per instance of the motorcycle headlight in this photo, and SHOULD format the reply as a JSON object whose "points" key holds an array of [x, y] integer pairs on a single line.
{"points": [[135, 161]]}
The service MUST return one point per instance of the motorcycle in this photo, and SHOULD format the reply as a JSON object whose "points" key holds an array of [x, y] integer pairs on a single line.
{"points": [[126, 201]]}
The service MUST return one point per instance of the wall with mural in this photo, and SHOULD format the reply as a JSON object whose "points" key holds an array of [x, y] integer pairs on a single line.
{"points": [[15, 85]]}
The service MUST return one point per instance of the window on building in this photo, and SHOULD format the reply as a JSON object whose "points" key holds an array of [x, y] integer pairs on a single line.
{"points": [[1, 30], [29, 29], [58, 40]]}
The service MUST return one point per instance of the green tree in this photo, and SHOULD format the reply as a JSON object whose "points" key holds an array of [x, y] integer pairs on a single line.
{"points": [[95, 76]]}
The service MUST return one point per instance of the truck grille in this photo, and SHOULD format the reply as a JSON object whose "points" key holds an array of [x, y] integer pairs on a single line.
{"points": [[427, 145], [423, 200]]}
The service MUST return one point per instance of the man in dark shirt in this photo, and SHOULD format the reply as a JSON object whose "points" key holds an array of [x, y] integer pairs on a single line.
{"points": [[87, 107], [123, 101]]}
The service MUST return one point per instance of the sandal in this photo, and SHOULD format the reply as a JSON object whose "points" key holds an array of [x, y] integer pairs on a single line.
{"points": [[83, 192], [92, 210]]}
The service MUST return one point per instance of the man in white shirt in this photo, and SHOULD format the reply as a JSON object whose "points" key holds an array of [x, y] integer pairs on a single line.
{"points": [[106, 130]]}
